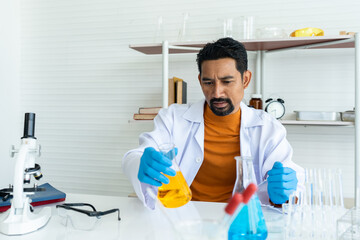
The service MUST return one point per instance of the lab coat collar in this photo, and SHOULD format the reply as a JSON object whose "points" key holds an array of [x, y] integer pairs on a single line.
{"points": [[195, 112], [249, 117]]}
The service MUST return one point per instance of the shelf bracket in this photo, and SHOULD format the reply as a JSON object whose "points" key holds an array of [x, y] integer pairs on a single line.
{"points": [[165, 74]]}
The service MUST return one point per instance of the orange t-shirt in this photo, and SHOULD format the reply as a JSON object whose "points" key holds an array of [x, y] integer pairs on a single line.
{"points": [[216, 177]]}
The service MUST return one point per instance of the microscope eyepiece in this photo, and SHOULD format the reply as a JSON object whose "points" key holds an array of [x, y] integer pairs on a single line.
{"points": [[29, 126]]}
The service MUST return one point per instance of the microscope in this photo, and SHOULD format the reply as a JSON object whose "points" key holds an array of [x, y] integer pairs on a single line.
{"points": [[20, 218]]}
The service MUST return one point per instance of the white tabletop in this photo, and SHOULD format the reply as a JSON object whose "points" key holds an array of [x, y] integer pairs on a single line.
{"points": [[137, 222]]}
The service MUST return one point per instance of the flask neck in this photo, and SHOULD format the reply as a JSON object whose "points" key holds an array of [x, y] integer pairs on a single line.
{"points": [[245, 173]]}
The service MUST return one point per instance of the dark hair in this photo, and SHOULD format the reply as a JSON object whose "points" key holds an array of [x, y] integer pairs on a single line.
{"points": [[224, 48]]}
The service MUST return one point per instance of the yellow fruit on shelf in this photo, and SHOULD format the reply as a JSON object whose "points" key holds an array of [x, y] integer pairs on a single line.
{"points": [[307, 32]]}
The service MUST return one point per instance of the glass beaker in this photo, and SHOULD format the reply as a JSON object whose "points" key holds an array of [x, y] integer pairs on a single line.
{"points": [[159, 32], [176, 193], [228, 27], [247, 27], [250, 222], [183, 35]]}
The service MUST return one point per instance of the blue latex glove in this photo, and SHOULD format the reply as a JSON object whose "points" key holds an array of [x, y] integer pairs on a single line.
{"points": [[152, 165], [282, 182]]}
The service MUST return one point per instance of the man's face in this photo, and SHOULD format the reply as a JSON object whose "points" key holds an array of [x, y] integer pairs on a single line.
{"points": [[223, 85]]}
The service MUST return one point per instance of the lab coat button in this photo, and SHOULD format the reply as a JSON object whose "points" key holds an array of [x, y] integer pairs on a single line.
{"points": [[198, 159]]}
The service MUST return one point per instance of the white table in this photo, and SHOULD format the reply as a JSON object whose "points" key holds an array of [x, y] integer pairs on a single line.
{"points": [[137, 222]]}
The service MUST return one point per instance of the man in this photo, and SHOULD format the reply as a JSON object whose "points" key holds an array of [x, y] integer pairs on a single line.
{"points": [[210, 133]]}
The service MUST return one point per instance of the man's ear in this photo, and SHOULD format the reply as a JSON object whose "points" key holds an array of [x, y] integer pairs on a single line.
{"points": [[246, 78], [199, 78]]}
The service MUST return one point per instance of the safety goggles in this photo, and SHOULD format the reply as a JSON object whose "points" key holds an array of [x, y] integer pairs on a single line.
{"points": [[82, 216]]}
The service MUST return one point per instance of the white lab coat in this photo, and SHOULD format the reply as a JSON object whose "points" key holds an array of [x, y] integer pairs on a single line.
{"points": [[261, 137]]}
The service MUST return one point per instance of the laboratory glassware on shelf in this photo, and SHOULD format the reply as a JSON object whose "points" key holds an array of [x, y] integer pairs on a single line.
{"points": [[159, 32], [177, 192], [250, 222], [183, 32], [228, 27]]}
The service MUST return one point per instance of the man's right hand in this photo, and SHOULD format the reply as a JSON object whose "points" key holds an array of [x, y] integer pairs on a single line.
{"points": [[152, 165]]}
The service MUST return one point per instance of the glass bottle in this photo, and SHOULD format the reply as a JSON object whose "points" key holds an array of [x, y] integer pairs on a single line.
{"points": [[177, 192], [250, 222], [183, 32], [228, 27], [159, 33], [256, 101]]}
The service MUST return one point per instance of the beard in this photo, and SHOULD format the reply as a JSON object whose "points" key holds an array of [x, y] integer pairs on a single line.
{"points": [[223, 111]]}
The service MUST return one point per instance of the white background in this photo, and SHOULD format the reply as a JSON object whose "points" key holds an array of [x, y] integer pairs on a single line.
{"points": [[69, 62], [9, 85]]}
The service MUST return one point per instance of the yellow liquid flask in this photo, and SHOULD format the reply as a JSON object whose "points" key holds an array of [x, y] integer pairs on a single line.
{"points": [[176, 193]]}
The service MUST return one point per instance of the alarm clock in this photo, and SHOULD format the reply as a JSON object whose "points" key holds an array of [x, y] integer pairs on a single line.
{"points": [[275, 108]]}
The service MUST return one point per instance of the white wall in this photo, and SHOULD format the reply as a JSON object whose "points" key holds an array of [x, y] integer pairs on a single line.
{"points": [[80, 77], [9, 85]]}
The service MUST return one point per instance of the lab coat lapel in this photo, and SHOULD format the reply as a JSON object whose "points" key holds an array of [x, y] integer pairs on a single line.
{"points": [[199, 136], [249, 119], [245, 150], [196, 114]]}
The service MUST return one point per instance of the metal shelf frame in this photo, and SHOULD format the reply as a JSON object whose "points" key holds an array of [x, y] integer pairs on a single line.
{"points": [[270, 46]]}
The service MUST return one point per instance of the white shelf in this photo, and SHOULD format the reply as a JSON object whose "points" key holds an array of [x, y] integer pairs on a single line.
{"points": [[255, 44], [316, 123]]}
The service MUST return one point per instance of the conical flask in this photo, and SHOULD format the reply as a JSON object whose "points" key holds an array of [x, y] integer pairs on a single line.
{"points": [[177, 192], [250, 222]]}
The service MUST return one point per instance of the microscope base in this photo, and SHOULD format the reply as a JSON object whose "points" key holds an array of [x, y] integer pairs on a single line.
{"points": [[26, 222]]}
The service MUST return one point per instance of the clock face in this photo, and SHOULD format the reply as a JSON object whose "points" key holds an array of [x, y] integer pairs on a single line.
{"points": [[276, 109]]}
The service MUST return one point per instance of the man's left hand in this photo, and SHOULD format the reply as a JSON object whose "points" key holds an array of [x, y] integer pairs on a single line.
{"points": [[282, 182]]}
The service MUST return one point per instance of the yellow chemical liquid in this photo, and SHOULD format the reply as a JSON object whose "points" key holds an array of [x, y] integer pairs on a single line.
{"points": [[175, 194]]}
